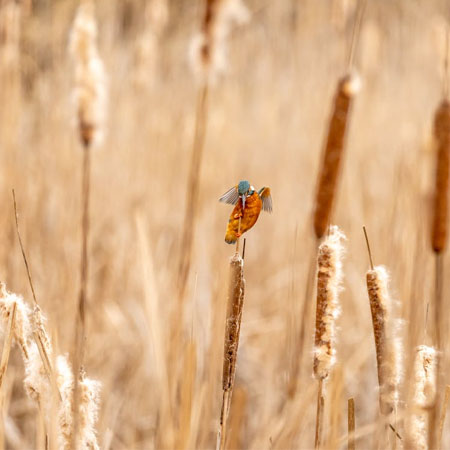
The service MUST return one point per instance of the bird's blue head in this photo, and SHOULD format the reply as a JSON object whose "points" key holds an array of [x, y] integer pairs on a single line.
{"points": [[243, 187]]}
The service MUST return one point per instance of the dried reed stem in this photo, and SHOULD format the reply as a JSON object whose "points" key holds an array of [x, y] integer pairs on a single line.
{"points": [[204, 55], [424, 396], [193, 189], [90, 98], [319, 415], [329, 276], [39, 333], [7, 343], [386, 344], [351, 423], [347, 88], [80, 322], [231, 340]]}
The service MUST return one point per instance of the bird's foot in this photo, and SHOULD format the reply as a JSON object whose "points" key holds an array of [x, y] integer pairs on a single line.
{"points": [[238, 235], [238, 215]]}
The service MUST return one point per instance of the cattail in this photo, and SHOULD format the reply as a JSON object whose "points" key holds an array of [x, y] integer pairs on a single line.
{"points": [[10, 30], [387, 345], [90, 99], [65, 383], [329, 276], [209, 48], [233, 320], [347, 88], [231, 341], [89, 88], [156, 16], [30, 332], [207, 55], [440, 204], [424, 394], [89, 403]]}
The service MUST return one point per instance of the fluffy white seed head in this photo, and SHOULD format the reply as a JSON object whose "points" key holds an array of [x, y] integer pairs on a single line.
{"points": [[22, 325], [89, 403], [208, 49], [425, 376], [89, 82], [36, 381], [424, 395], [329, 279]]}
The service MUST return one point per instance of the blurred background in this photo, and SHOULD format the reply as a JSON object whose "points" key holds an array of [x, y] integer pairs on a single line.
{"points": [[267, 120]]}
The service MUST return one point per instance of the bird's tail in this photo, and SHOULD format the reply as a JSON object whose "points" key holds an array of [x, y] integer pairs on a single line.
{"points": [[230, 237]]}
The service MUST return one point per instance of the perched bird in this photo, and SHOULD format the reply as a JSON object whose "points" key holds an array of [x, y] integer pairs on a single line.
{"points": [[248, 206]]}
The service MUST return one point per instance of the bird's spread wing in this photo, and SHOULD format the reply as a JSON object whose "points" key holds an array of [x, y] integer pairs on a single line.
{"points": [[231, 196], [266, 199]]}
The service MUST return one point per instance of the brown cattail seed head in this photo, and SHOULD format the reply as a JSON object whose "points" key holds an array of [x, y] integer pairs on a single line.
{"points": [[387, 344], [440, 204], [233, 320], [329, 276], [348, 86]]}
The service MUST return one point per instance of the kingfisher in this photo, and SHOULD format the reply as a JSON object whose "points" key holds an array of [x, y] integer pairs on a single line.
{"points": [[248, 204]]}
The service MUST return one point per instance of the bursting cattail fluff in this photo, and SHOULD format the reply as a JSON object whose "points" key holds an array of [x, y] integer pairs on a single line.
{"points": [[387, 343], [209, 48], [90, 84], [29, 329], [10, 19], [424, 394], [440, 204], [348, 87], [156, 16], [22, 326], [89, 402], [329, 277]]}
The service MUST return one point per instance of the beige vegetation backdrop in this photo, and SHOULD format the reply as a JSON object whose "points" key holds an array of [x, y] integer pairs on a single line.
{"points": [[266, 123]]}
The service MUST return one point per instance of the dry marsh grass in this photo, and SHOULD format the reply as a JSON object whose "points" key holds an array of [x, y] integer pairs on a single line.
{"points": [[160, 360]]}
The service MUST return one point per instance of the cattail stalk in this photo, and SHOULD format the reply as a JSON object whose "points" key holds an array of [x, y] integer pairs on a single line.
{"points": [[348, 86], [203, 54], [329, 276], [208, 61], [351, 423], [424, 396], [231, 340], [193, 190], [90, 103]]}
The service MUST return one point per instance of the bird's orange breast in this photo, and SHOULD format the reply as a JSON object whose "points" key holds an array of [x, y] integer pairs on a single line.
{"points": [[249, 217]]}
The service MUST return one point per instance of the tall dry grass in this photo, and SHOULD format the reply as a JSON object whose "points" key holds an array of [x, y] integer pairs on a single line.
{"points": [[266, 121]]}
